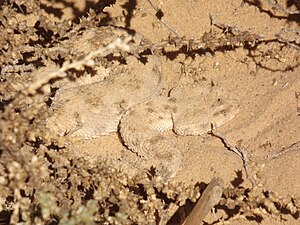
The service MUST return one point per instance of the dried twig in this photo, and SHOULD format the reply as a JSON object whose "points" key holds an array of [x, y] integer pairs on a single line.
{"points": [[157, 8], [79, 64], [210, 197], [292, 147], [242, 153], [291, 37], [289, 11]]}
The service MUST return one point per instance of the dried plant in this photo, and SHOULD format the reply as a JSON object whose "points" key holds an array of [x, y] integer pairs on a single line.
{"points": [[42, 183]]}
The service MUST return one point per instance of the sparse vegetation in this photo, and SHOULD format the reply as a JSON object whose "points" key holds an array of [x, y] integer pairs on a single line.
{"points": [[41, 182]]}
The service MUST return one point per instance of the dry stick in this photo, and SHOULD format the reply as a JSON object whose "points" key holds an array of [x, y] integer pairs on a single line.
{"points": [[291, 42], [86, 61], [292, 147], [242, 153], [157, 9], [210, 197], [286, 10]]}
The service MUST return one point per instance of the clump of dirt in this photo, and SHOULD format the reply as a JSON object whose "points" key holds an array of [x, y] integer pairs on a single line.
{"points": [[42, 182]]}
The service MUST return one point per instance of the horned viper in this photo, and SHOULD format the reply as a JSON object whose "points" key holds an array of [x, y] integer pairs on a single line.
{"points": [[127, 99]]}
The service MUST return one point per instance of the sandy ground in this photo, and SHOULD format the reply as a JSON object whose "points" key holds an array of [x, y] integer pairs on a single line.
{"points": [[268, 121], [265, 78]]}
